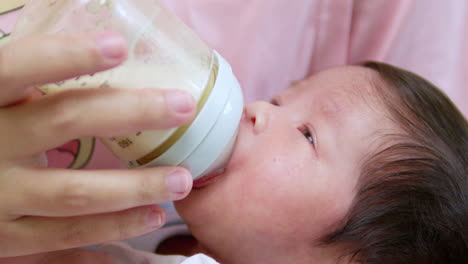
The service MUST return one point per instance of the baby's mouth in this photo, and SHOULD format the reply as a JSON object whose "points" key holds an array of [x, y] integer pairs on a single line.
{"points": [[212, 177], [207, 179]]}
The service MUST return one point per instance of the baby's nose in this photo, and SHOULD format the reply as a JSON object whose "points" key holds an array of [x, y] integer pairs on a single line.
{"points": [[258, 113]]}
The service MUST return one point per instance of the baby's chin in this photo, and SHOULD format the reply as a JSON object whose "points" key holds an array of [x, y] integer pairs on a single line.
{"points": [[208, 193], [192, 209], [202, 188], [202, 201]]}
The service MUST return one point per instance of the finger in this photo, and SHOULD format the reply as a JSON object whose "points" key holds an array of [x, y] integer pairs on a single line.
{"points": [[58, 192], [76, 256], [55, 119], [70, 256], [44, 59], [41, 234]]}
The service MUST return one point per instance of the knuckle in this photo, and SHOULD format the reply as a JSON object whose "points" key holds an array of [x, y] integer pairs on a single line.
{"points": [[122, 228], [147, 189], [86, 50], [83, 54], [64, 113], [74, 196]]}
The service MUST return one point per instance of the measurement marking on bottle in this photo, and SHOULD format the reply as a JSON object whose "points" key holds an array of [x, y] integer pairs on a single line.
{"points": [[125, 143]]}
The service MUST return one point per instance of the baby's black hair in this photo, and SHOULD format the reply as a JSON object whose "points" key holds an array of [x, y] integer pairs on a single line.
{"points": [[412, 200]]}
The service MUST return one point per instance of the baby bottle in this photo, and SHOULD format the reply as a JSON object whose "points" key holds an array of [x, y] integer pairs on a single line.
{"points": [[162, 53]]}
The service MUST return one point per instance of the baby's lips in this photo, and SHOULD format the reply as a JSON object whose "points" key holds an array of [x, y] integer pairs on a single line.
{"points": [[207, 179]]}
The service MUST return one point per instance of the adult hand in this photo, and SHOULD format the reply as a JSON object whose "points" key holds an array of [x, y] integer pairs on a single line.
{"points": [[45, 209], [69, 256]]}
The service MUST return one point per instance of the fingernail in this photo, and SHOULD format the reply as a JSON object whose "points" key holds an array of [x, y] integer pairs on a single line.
{"points": [[154, 219], [180, 102], [178, 182], [111, 45]]}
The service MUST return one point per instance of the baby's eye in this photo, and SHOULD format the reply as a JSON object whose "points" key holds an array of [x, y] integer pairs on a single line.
{"points": [[307, 134], [274, 102]]}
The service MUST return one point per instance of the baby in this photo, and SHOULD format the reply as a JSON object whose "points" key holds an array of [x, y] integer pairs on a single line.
{"points": [[356, 164], [363, 164]]}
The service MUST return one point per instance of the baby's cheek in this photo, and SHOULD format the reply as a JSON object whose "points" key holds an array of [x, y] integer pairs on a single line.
{"points": [[294, 195], [273, 190]]}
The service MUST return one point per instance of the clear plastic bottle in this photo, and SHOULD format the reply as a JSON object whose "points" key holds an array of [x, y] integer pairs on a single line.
{"points": [[164, 53]]}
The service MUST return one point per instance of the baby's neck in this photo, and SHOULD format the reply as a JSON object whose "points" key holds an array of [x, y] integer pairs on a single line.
{"points": [[187, 245]]}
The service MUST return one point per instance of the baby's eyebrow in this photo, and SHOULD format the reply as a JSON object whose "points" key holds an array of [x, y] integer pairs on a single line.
{"points": [[333, 108]]}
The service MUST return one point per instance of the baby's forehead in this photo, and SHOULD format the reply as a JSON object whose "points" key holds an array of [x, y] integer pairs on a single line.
{"points": [[340, 88], [346, 98], [345, 104]]}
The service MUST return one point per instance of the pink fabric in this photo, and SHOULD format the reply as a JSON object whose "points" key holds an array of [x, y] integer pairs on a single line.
{"points": [[271, 43]]}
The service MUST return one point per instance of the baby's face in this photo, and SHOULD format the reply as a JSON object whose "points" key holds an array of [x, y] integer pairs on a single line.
{"points": [[294, 169]]}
